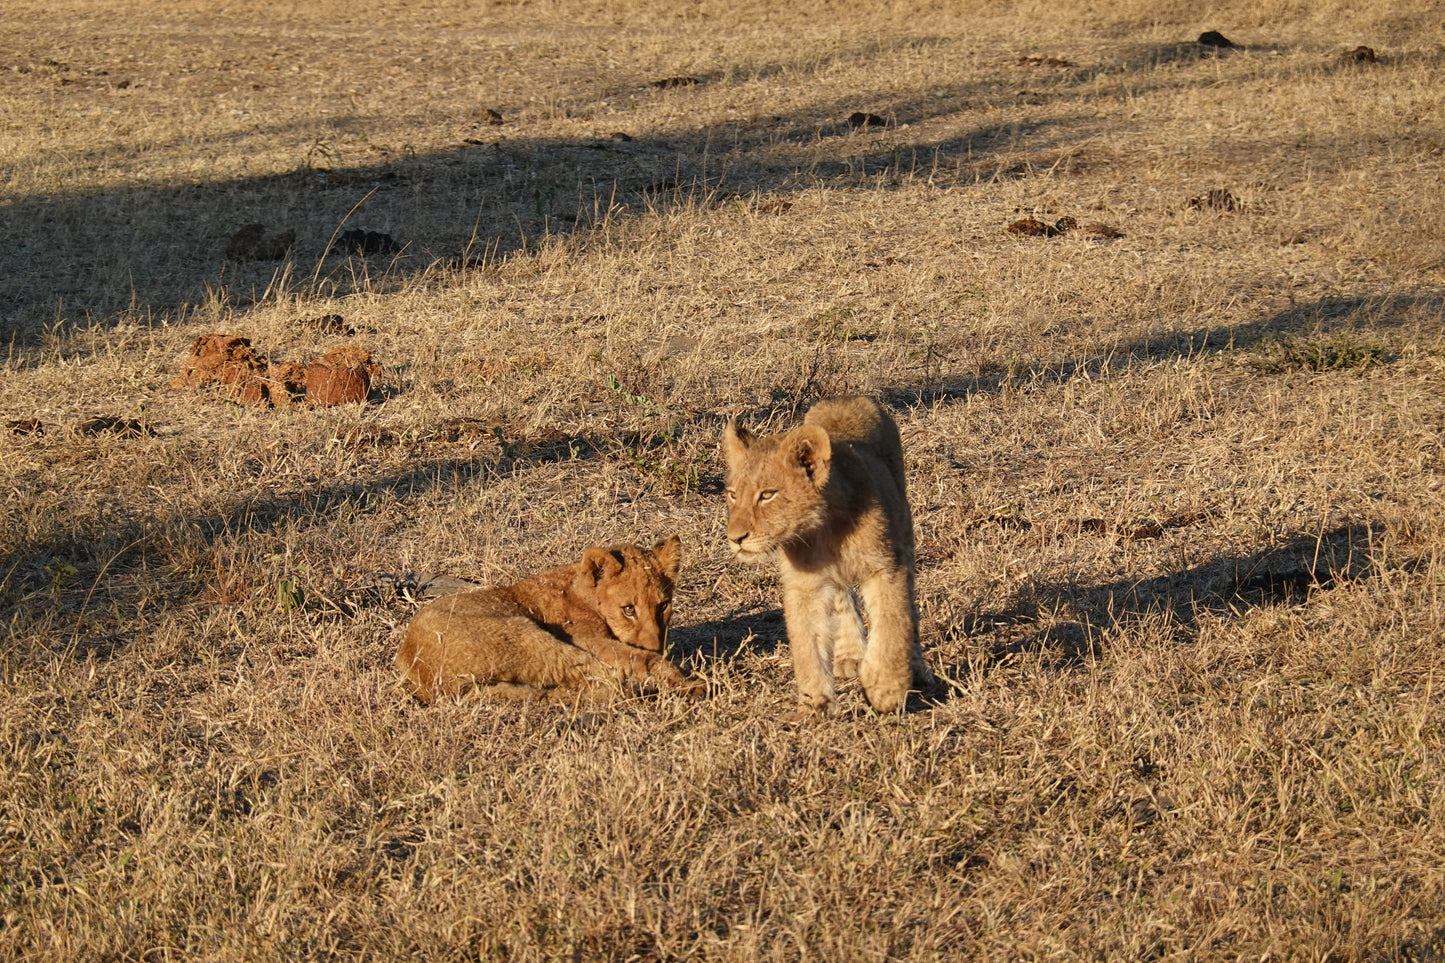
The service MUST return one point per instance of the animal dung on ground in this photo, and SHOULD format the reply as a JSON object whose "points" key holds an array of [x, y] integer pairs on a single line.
{"points": [[342, 376], [25, 426], [1033, 227], [218, 358], [1360, 55], [365, 243], [1213, 38], [339, 377], [862, 120], [1217, 199], [329, 323], [250, 243], [667, 83], [1101, 230], [108, 425]]}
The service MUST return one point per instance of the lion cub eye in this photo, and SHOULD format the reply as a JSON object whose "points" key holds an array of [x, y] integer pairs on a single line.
{"points": [[732, 495], [629, 611], [767, 496]]}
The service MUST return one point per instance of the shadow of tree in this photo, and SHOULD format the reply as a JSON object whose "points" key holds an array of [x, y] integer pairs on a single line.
{"points": [[144, 251], [1321, 318], [139, 251], [1290, 572]]}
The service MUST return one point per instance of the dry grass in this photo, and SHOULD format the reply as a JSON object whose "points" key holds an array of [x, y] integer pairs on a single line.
{"points": [[1178, 490]]}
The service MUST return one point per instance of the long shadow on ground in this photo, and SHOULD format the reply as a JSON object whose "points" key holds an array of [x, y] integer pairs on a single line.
{"points": [[1319, 320], [1289, 572], [112, 557], [142, 251]]}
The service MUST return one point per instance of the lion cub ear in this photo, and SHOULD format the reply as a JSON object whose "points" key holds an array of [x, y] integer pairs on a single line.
{"points": [[736, 442], [811, 450], [668, 556], [599, 564]]}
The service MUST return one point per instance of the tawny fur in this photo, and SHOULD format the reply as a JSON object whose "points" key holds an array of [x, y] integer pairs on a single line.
{"points": [[829, 499], [587, 628]]}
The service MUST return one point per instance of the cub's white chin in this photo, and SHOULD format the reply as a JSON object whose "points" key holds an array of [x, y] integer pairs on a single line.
{"points": [[748, 554]]}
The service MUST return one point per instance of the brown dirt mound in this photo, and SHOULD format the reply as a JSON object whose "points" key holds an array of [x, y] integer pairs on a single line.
{"points": [[340, 377]]}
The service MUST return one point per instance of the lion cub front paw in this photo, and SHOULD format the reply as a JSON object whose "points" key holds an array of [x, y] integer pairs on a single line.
{"points": [[886, 691], [845, 668], [691, 689], [803, 713]]}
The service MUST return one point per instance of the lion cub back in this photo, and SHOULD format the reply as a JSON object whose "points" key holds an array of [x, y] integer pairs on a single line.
{"points": [[860, 420]]}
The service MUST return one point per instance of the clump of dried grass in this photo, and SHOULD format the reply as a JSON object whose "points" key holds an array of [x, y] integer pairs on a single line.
{"points": [[1176, 484]]}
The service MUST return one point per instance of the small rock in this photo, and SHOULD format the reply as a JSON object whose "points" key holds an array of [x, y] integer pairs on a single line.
{"points": [[492, 117], [1213, 38], [667, 83], [1360, 55]]}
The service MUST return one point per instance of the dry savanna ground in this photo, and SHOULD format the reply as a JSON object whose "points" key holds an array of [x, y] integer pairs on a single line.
{"points": [[1162, 323]]}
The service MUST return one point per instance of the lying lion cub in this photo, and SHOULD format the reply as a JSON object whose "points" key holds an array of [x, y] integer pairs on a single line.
{"points": [[828, 498], [588, 626]]}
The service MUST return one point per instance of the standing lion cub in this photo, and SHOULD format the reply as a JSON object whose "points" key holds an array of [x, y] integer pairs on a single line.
{"points": [[587, 627], [828, 498]]}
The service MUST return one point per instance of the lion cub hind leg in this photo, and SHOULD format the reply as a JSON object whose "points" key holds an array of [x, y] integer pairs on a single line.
{"points": [[449, 650], [516, 692]]}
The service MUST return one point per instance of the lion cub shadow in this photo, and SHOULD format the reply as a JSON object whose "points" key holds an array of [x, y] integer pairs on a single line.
{"points": [[760, 630]]}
